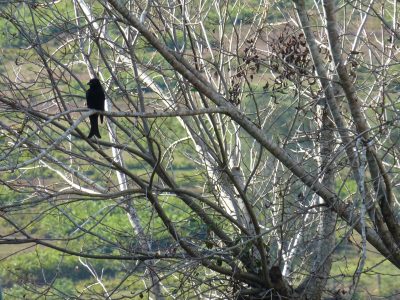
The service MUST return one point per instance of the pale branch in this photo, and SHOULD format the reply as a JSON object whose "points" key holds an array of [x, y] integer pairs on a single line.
{"points": [[386, 246], [44, 152], [384, 193]]}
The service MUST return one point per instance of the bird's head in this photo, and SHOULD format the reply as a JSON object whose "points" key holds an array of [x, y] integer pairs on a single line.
{"points": [[94, 82]]}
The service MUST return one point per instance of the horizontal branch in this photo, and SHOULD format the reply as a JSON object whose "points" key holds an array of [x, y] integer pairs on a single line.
{"points": [[150, 115], [146, 115], [139, 257]]}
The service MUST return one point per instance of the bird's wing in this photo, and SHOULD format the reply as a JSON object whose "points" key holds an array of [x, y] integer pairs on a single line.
{"points": [[103, 100], [89, 98]]}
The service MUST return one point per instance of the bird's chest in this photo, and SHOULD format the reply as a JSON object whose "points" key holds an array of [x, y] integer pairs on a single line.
{"points": [[94, 99]]}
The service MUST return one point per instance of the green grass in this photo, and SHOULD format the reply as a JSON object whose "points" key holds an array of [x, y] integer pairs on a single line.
{"points": [[379, 277]]}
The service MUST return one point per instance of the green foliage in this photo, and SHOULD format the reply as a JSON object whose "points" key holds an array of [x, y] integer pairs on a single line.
{"points": [[7, 195], [379, 276], [346, 188], [44, 265]]}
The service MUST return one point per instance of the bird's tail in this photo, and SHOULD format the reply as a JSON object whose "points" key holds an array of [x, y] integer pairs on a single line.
{"points": [[94, 126]]}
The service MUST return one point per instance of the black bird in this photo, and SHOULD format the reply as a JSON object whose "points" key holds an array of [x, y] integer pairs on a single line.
{"points": [[95, 100]]}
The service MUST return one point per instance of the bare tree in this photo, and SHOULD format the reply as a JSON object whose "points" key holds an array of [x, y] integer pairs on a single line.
{"points": [[242, 136]]}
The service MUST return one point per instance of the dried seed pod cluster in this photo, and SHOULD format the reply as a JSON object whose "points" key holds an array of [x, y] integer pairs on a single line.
{"points": [[290, 59], [247, 69]]}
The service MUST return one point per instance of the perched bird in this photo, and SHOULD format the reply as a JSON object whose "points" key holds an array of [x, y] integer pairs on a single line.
{"points": [[95, 100]]}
